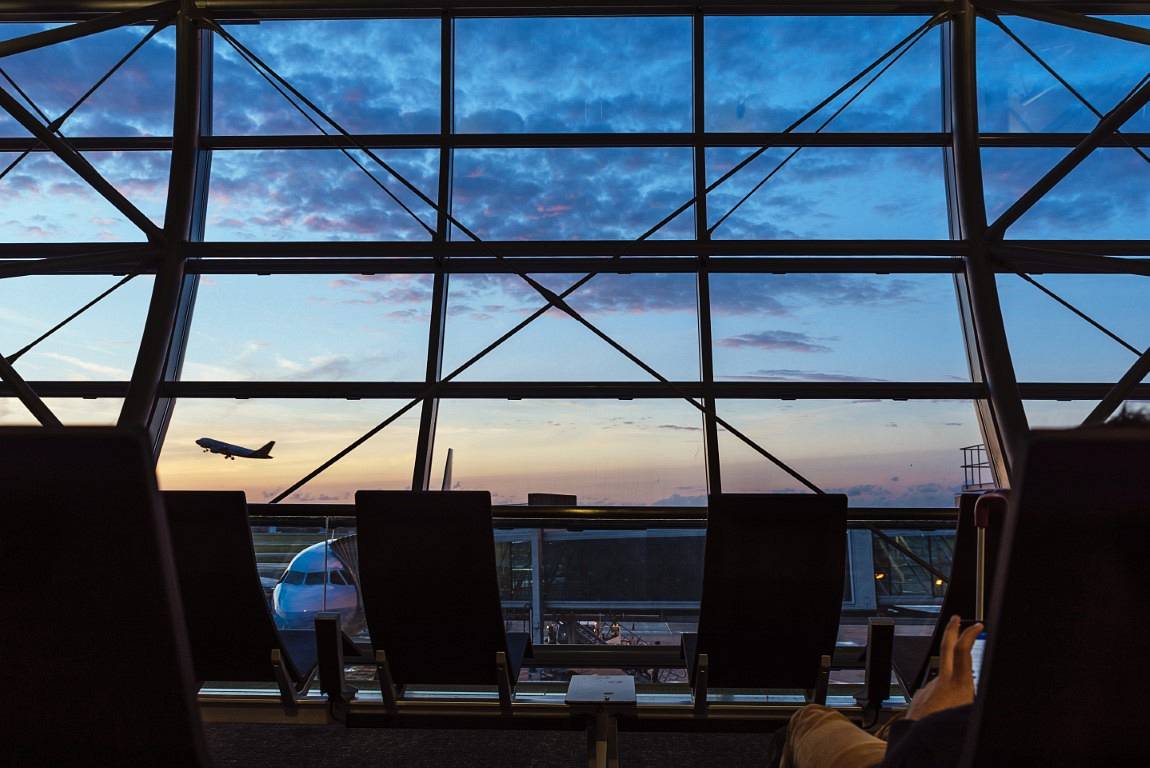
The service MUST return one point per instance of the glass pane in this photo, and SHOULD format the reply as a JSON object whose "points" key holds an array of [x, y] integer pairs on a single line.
{"points": [[555, 75], [621, 588], [135, 101], [572, 194], [43, 200], [836, 328], [142, 177], [370, 75], [1017, 94], [306, 434], [310, 328], [763, 73], [653, 316], [1057, 414], [71, 411], [319, 194], [829, 193], [1105, 198], [604, 452], [1050, 343], [879, 453], [100, 344]]}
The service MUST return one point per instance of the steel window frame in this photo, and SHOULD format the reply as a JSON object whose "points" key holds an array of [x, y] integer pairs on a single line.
{"points": [[971, 256]]}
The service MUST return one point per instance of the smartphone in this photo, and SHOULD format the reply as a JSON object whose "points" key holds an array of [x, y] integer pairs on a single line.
{"points": [[976, 654]]}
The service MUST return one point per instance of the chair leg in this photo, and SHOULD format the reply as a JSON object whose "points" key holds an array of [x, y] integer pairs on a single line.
{"points": [[612, 742], [386, 682], [822, 683], [503, 677], [702, 665], [329, 646], [283, 681], [592, 742]]}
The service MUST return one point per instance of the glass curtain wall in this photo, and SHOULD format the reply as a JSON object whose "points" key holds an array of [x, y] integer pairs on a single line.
{"points": [[622, 260]]}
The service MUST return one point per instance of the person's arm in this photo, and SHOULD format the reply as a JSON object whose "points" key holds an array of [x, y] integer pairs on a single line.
{"points": [[954, 687]]}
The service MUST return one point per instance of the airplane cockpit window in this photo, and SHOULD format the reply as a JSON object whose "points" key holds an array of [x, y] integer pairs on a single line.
{"points": [[337, 577], [314, 578], [293, 577]]}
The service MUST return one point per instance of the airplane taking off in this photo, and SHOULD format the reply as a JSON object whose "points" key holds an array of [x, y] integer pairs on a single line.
{"points": [[230, 451]]}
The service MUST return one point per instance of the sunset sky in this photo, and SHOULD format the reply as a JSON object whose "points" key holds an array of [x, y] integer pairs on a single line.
{"points": [[580, 75]]}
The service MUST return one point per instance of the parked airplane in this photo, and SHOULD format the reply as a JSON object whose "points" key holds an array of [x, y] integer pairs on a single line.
{"points": [[323, 578], [319, 580], [230, 451]]}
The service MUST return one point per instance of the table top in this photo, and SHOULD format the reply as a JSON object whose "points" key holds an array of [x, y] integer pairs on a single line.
{"points": [[601, 689]]}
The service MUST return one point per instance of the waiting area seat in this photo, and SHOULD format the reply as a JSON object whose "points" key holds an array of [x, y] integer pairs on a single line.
{"points": [[96, 667], [1064, 677], [430, 591], [772, 593], [231, 629]]}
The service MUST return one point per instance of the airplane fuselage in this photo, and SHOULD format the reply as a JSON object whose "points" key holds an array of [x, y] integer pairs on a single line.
{"points": [[229, 451]]}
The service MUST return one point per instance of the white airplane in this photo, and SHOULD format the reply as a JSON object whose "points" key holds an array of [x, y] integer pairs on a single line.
{"points": [[323, 577], [230, 451]]}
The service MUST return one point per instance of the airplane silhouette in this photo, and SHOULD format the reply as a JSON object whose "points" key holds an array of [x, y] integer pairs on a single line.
{"points": [[230, 451]]}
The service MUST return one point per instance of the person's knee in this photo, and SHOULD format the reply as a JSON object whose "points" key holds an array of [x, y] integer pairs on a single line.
{"points": [[819, 737], [809, 718]]}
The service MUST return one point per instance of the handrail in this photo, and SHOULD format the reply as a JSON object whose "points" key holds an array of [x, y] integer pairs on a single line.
{"points": [[512, 515]]}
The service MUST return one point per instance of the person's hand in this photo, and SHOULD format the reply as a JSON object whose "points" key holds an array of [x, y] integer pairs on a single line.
{"points": [[954, 685]]}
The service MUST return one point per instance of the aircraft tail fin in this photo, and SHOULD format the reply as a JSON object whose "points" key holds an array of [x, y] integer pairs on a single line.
{"points": [[447, 470], [266, 451]]}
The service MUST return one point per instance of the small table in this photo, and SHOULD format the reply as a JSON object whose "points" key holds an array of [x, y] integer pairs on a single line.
{"points": [[603, 698]]}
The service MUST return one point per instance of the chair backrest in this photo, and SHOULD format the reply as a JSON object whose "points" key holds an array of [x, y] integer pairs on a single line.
{"points": [[772, 587], [230, 626], [1062, 676], [94, 661], [961, 589], [429, 586]]}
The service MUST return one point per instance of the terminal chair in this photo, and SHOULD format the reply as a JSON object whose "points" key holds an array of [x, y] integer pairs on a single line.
{"points": [[96, 669], [431, 593], [772, 592], [230, 626], [1063, 680], [914, 655]]}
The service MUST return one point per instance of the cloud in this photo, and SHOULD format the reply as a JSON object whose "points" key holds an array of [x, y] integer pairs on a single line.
{"points": [[794, 374], [677, 500], [933, 494], [677, 427], [790, 341], [87, 366]]}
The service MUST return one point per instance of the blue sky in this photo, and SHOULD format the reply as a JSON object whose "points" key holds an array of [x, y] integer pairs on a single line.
{"points": [[568, 76]]}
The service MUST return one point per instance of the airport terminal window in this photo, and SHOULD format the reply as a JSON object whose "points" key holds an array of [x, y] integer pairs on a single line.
{"points": [[1017, 94], [572, 75], [817, 299], [136, 100], [836, 328], [100, 344], [374, 76], [556, 346], [763, 73], [880, 453], [604, 452], [572, 193], [318, 194], [306, 432], [1050, 343], [262, 328], [829, 193]]}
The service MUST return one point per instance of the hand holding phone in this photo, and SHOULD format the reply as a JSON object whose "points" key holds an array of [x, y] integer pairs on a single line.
{"points": [[954, 685]]}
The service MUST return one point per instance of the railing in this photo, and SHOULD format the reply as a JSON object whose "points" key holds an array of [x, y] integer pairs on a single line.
{"points": [[976, 471]]}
